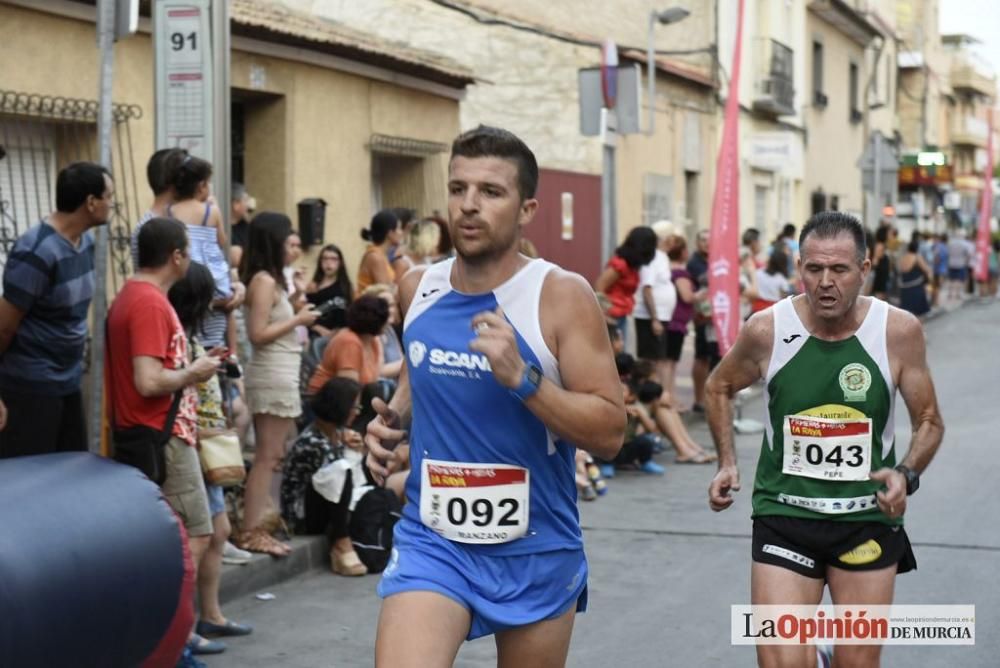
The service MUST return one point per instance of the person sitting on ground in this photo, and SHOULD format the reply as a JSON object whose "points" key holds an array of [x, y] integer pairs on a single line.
{"points": [[322, 443], [640, 438], [392, 349], [355, 351], [659, 405], [617, 342], [191, 298], [330, 288], [589, 483]]}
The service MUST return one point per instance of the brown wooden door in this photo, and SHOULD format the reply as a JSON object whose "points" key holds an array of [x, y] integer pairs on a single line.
{"points": [[582, 253]]}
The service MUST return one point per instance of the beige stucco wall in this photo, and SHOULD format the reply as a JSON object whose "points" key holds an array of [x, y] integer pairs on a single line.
{"points": [[834, 143], [664, 154], [307, 126], [31, 63], [529, 82]]}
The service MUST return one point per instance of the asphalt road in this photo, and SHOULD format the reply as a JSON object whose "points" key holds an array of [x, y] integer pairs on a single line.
{"points": [[665, 569]]}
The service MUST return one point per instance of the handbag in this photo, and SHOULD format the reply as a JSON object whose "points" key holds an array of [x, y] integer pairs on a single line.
{"points": [[222, 459], [145, 448]]}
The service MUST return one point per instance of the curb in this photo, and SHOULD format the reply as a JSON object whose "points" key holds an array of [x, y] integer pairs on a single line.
{"points": [[263, 571]]}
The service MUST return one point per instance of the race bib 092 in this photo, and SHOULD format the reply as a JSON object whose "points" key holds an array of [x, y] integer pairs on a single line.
{"points": [[474, 503]]}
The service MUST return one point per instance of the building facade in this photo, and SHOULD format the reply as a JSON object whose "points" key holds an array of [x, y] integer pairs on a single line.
{"points": [[319, 111], [526, 57]]}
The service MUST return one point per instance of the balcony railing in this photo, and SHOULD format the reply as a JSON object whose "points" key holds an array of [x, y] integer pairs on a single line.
{"points": [[969, 131], [968, 75], [774, 91]]}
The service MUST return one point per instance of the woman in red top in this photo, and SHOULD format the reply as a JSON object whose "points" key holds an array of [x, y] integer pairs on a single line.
{"points": [[620, 279]]}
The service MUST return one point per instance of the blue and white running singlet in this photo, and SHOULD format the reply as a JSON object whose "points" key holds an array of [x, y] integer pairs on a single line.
{"points": [[485, 471]]}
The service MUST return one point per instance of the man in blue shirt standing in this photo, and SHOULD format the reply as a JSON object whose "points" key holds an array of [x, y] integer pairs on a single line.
{"points": [[48, 283]]}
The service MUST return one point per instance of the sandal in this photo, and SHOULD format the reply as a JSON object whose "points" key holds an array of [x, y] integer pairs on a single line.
{"points": [[347, 563], [258, 540], [700, 458]]}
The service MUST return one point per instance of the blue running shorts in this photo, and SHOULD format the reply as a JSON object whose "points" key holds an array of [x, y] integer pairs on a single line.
{"points": [[499, 592]]}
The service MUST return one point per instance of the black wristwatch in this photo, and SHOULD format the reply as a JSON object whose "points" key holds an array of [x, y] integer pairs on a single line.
{"points": [[912, 479]]}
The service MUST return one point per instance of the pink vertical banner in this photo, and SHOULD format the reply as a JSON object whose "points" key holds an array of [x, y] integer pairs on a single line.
{"points": [[723, 242], [985, 209]]}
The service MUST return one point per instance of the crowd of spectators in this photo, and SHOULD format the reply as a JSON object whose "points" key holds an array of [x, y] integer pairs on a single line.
{"points": [[201, 342]]}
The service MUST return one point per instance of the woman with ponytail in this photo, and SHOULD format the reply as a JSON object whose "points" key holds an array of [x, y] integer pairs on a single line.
{"points": [[381, 235]]}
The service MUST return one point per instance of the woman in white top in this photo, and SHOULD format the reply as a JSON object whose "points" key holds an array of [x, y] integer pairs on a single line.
{"points": [[772, 284], [421, 244], [272, 376], [654, 306]]}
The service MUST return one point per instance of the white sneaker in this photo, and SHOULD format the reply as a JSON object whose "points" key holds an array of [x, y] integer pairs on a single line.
{"points": [[234, 555]]}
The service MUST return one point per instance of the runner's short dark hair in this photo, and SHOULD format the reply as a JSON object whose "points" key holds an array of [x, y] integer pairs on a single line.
{"points": [[78, 181], [486, 141], [158, 239], [829, 224]]}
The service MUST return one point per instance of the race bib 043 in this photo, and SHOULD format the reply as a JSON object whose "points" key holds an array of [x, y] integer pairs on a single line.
{"points": [[827, 449], [474, 503]]}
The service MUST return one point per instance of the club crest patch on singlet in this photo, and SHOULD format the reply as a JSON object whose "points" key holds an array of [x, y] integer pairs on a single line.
{"points": [[855, 379]]}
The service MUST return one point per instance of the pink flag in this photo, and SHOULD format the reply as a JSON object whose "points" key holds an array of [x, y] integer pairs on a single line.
{"points": [[723, 243], [985, 209]]}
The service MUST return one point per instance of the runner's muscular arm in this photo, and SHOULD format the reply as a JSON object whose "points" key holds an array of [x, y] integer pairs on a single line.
{"points": [[906, 341], [589, 410], [742, 365]]}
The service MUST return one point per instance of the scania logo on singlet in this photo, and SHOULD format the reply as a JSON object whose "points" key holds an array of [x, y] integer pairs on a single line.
{"points": [[417, 352], [447, 358]]}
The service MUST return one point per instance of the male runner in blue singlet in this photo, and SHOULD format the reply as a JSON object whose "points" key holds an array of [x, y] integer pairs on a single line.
{"points": [[509, 370]]}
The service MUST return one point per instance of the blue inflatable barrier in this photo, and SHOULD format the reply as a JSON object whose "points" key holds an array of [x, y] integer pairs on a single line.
{"points": [[94, 566]]}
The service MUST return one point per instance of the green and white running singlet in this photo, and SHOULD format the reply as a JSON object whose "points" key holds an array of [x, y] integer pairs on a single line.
{"points": [[829, 421]]}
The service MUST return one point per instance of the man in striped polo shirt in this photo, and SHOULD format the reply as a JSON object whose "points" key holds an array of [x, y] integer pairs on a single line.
{"points": [[48, 283]]}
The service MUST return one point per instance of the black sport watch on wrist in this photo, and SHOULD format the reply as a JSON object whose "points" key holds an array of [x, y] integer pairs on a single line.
{"points": [[912, 479]]}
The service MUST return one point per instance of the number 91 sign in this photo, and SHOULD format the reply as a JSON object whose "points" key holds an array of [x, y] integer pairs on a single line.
{"points": [[183, 64]]}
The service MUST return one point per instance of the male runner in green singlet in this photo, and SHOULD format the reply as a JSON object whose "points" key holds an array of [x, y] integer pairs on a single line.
{"points": [[829, 493]]}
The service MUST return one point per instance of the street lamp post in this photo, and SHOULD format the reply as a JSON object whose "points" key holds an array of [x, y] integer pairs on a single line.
{"points": [[667, 16]]}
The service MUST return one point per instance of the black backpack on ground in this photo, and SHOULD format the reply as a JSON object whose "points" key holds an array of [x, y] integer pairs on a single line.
{"points": [[372, 522]]}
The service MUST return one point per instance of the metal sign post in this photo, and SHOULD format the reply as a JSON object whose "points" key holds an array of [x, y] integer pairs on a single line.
{"points": [[609, 128], [221, 132], [184, 75], [99, 305], [609, 204]]}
